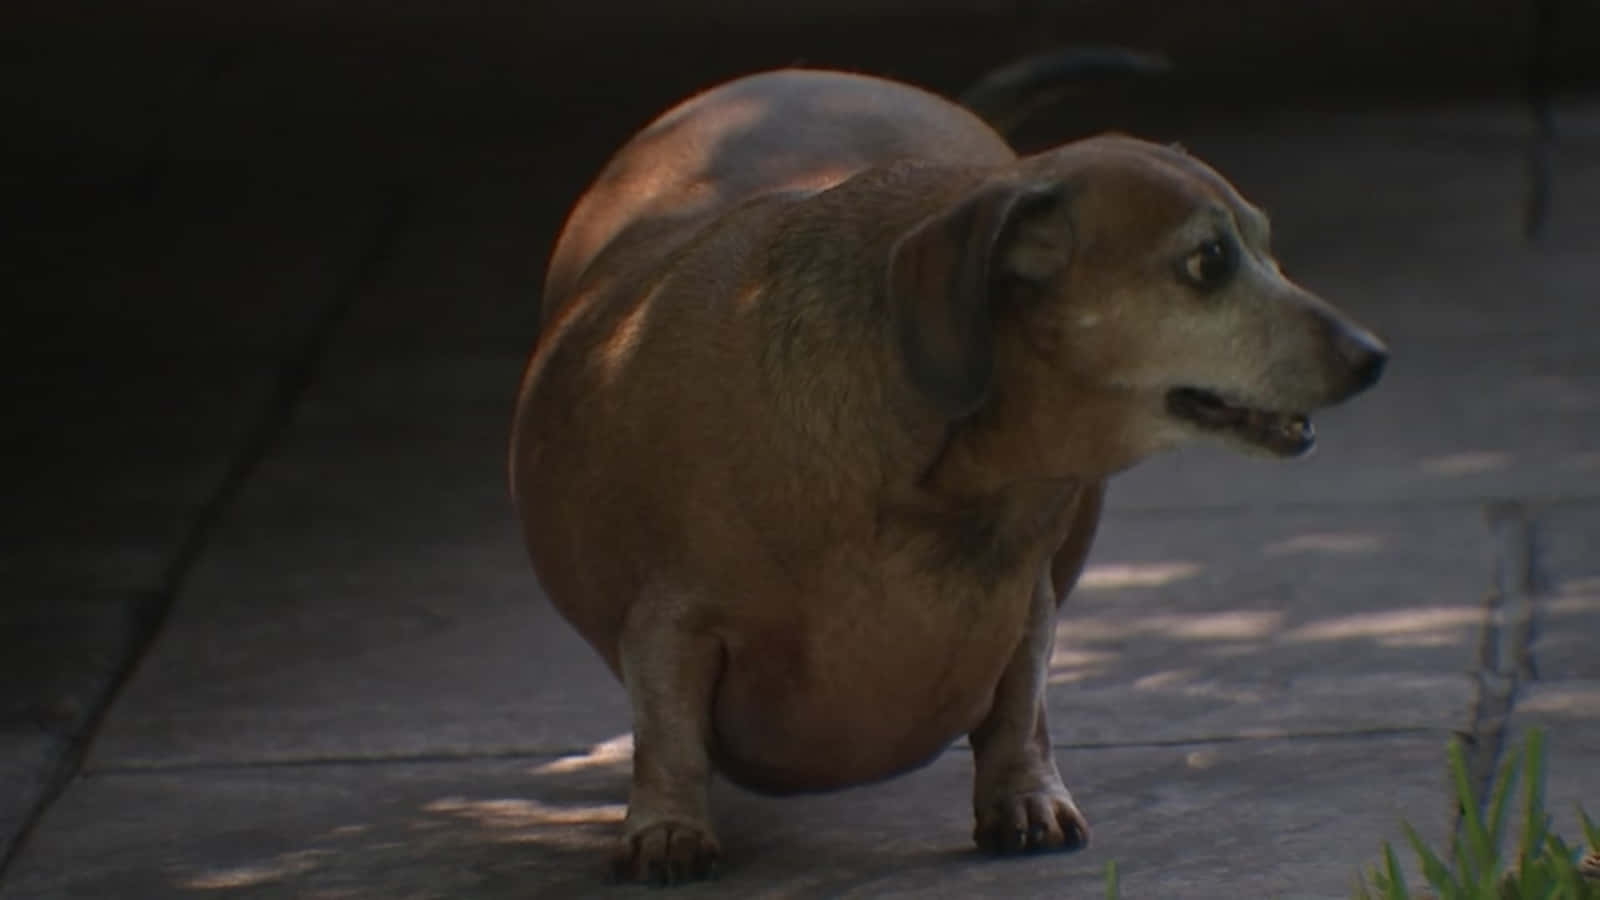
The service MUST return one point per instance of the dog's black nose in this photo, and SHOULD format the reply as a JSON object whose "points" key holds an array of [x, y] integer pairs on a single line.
{"points": [[1365, 354]]}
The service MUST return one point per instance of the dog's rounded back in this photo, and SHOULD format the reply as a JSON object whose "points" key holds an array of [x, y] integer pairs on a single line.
{"points": [[792, 130]]}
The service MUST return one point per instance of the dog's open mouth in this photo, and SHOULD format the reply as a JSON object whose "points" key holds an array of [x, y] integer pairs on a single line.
{"points": [[1280, 433]]}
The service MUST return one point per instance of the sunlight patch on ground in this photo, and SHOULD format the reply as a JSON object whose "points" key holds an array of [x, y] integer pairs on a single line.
{"points": [[1389, 625], [284, 865], [1065, 658], [1469, 462], [1421, 639], [516, 820], [1229, 625], [1577, 700], [1578, 594], [617, 751], [1069, 665], [1192, 683], [517, 812], [1337, 542], [1126, 575]]}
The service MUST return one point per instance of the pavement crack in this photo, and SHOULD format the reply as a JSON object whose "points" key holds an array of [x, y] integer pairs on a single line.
{"points": [[1505, 645]]}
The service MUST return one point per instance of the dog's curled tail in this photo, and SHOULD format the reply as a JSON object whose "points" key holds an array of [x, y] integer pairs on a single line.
{"points": [[1007, 96]]}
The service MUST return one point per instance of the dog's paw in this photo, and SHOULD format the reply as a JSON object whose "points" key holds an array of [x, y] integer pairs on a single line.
{"points": [[1031, 821], [667, 852]]}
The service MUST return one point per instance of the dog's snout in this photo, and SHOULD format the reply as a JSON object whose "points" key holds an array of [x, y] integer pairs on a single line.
{"points": [[1363, 353]]}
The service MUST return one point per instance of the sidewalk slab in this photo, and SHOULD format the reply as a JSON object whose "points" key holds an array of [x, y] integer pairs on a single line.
{"points": [[1190, 625], [1563, 697], [149, 334], [1256, 819], [1566, 561], [368, 597]]}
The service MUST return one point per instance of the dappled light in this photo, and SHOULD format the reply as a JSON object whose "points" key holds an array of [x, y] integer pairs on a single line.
{"points": [[501, 837], [1574, 699], [284, 865], [1338, 542], [520, 820], [617, 349], [1214, 626], [1468, 462], [520, 813], [1124, 575], [1575, 589], [1391, 625], [1194, 683], [1068, 665], [616, 752]]}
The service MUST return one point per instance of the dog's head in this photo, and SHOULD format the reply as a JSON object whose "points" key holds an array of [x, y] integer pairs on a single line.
{"points": [[1120, 274]]}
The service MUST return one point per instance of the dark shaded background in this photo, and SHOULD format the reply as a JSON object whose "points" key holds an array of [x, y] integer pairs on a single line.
{"points": [[194, 197]]}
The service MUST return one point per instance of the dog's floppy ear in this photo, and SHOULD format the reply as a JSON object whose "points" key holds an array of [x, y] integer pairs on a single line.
{"points": [[943, 275]]}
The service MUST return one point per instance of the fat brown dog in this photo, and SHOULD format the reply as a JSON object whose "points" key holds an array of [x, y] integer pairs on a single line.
{"points": [[814, 441]]}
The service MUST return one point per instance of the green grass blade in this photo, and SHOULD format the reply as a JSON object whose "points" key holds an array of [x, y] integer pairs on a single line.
{"points": [[1562, 868], [1433, 868], [1533, 823], [1376, 880], [1591, 832], [1397, 878], [1113, 889], [1505, 783], [1474, 848]]}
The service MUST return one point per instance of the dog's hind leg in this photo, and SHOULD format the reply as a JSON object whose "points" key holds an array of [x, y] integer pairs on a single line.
{"points": [[1020, 801], [670, 669]]}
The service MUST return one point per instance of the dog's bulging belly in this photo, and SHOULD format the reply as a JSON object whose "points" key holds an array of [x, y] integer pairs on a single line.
{"points": [[862, 683]]}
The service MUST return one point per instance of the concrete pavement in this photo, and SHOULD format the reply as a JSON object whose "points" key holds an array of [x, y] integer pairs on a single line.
{"points": [[359, 691]]}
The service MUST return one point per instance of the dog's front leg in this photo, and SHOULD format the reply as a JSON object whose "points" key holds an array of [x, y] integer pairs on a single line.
{"points": [[1019, 800], [670, 670]]}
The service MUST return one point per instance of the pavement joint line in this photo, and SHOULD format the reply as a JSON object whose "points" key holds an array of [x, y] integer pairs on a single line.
{"points": [[1567, 500], [296, 375], [1505, 644], [535, 756]]}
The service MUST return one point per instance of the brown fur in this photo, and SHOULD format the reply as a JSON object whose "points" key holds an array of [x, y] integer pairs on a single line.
{"points": [[814, 442]]}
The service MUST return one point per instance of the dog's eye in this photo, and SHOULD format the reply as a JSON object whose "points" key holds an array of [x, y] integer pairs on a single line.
{"points": [[1210, 265]]}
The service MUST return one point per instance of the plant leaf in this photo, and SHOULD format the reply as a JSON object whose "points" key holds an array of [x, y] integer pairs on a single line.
{"points": [[1397, 879], [1591, 832], [1474, 851], [1504, 786], [1564, 863], [1534, 826], [1433, 868]]}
